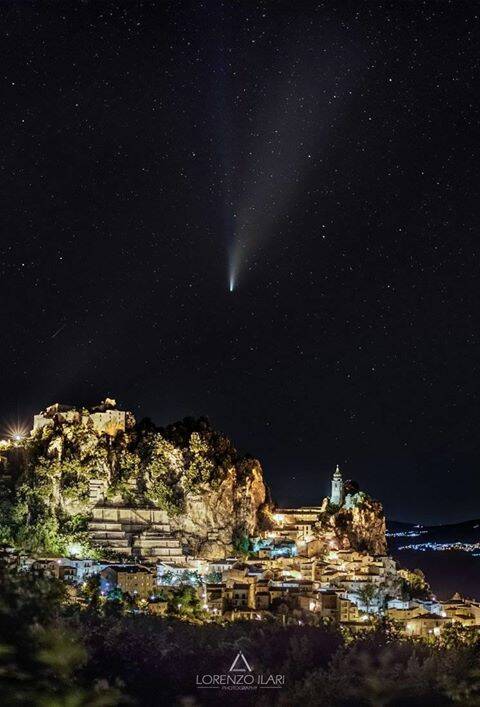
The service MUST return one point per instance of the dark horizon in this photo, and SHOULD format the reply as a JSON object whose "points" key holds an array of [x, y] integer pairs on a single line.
{"points": [[324, 157]]}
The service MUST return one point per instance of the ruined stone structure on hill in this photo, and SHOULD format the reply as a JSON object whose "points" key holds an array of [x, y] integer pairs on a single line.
{"points": [[103, 418]]}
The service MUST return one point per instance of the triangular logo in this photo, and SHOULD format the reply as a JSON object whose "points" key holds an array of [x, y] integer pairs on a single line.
{"points": [[240, 664]]}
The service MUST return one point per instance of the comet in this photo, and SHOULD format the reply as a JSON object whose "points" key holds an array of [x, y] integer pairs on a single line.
{"points": [[231, 278], [233, 267], [283, 146]]}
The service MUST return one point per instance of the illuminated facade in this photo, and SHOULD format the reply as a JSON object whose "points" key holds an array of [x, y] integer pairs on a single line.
{"points": [[338, 493]]}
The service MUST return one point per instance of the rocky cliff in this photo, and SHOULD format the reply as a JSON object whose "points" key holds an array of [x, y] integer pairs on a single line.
{"points": [[359, 524], [78, 459], [361, 527], [211, 493]]}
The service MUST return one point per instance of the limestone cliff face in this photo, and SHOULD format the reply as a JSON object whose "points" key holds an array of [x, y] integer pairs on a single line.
{"points": [[211, 493], [360, 526], [75, 460], [61, 462], [214, 517]]}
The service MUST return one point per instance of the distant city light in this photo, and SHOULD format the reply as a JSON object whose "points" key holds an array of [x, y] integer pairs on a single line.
{"points": [[405, 533], [442, 547]]}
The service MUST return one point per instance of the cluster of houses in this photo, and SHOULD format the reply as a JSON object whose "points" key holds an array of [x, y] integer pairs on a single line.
{"points": [[334, 591], [298, 588], [288, 571]]}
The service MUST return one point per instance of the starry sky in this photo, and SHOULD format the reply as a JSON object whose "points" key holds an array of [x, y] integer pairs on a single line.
{"points": [[327, 153]]}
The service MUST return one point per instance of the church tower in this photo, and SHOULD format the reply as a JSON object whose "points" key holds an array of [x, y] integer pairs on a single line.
{"points": [[337, 496]]}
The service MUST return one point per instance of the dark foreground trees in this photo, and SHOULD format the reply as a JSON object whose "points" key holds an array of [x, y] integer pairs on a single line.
{"points": [[162, 658], [41, 656], [59, 654]]}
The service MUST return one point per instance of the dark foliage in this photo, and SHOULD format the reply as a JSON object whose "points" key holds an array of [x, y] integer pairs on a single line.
{"points": [[56, 653]]}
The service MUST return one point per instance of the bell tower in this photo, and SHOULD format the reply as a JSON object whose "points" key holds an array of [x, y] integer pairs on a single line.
{"points": [[337, 496]]}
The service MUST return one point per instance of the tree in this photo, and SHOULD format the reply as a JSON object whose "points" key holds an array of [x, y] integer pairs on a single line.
{"points": [[168, 577], [241, 541], [185, 601], [190, 577], [91, 591], [366, 594], [114, 607], [213, 577], [41, 658], [115, 594]]}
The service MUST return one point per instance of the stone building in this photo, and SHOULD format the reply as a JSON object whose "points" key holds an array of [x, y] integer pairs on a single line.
{"points": [[105, 418], [240, 595], [215, 598], [338, 494], [461, 610], [426, 625], [131, 579], [331, 605], [55, 412]]}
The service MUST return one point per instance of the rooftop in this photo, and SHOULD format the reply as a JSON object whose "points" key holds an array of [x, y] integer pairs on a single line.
{"points": [[130, 569]]}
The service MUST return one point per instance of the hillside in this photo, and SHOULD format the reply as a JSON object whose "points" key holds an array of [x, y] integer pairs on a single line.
{"points": [[465, 532], [70, 464], [98, 477], [448, 554]]}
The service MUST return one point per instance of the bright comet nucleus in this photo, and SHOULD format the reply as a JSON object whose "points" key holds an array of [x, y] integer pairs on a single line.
{"points": [[233, 267]]}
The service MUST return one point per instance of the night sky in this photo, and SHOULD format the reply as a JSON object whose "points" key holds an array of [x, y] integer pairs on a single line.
{"points": [[325, 156]]}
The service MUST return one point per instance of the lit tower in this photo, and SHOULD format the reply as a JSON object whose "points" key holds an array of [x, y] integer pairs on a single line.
{"points": [[337, 496]]}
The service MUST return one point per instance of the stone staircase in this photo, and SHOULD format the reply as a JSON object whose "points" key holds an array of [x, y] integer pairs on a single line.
{"points": [[135, 532], [96, 490], [110, 534], [155, 544]]}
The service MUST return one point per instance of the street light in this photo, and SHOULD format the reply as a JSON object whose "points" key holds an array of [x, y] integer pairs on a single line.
{"points": [[16, 433]]}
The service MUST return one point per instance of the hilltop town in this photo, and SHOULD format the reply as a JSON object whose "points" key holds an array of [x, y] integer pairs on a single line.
{"points": [[96, 499]]}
